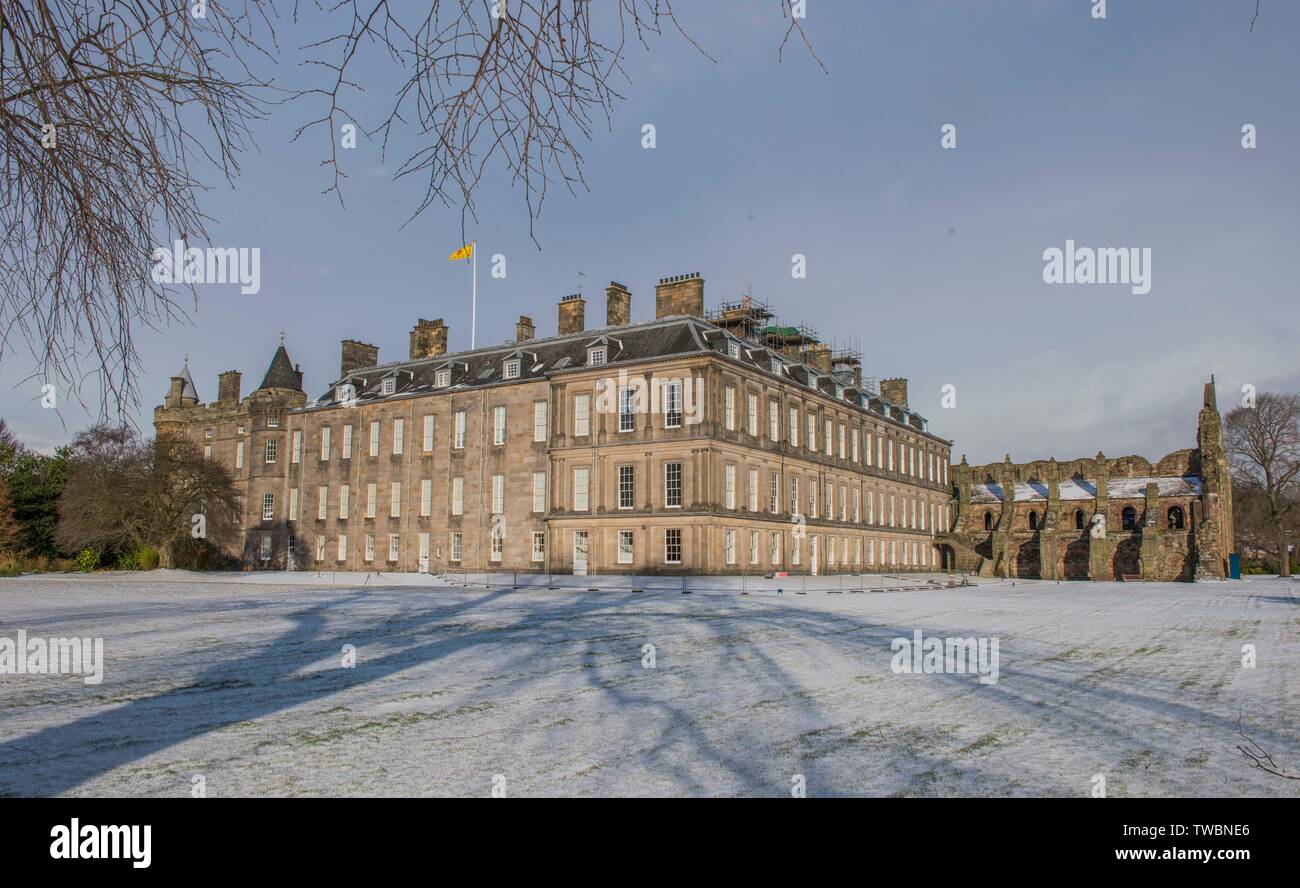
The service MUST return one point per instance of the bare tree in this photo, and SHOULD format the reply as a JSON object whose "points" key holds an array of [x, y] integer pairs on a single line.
{"points": [[521, 81], [115, 115], [107, 109], [123, 493], [1263, 444]]}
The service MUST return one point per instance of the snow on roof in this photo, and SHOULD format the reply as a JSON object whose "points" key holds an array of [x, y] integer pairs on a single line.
{"points": [[1084, 489]]}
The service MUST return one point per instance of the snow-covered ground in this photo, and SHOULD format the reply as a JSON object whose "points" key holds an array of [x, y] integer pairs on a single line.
{"points": [[239, 679]]}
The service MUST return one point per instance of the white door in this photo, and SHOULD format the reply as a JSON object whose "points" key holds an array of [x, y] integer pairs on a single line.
{"points": [[812, 555], [424, 553], [579, 553]]}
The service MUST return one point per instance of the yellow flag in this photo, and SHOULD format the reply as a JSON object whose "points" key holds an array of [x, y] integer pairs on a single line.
{"points": [[464, 252]]}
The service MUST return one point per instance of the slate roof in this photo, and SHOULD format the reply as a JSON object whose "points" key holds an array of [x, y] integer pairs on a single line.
{"points": [[1083, 489], [280, 374], [187, 389], [543, 358]]}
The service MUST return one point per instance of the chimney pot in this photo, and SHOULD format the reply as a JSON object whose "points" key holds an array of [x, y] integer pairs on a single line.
{"points": [[228, 387], [573, 311], [681, 294], [618, 305], [428, 339], [524, 330], [357, 354]]}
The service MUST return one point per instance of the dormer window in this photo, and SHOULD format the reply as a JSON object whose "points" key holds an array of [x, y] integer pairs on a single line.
{"points": [[512, 369], [597, 356], [812, 380], [776, 366], [733, 349], [390, 386], [442, 378], [346, 393]]}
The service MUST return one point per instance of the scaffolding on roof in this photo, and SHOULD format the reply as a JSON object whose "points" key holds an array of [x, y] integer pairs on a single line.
{"points": [[744, 318], [791, 341]]}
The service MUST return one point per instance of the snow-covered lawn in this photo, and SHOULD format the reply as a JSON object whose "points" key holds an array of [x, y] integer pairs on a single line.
{"points": [[240, 679]]}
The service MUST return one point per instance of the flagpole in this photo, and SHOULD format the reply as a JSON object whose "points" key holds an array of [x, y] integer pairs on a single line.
{"points": [[473, 311]]}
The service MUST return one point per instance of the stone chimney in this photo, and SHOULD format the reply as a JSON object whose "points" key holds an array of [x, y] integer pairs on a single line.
{"points": [[849, 371], [228, 387], [894, 391], [357, 355], [428, 339], [618, 305], [174, 391], [818, 357], [524, 330], [680, 294], [573, 314]]}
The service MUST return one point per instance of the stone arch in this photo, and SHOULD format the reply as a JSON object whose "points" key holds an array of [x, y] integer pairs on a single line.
{"points": [[1076, 560], [1127, 558], [1029, 561]]}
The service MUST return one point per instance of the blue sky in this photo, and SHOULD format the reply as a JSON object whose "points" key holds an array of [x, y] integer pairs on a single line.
{"points": [[1117, 133]]}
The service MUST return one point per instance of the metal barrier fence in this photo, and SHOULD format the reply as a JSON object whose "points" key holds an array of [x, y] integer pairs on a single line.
{"points": [[743, 584]]}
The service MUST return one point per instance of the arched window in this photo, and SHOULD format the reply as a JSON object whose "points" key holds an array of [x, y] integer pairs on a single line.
{"points": [[1129, 518], [1033, 521], [988, 520], [1176, 518], [1078, 519]]}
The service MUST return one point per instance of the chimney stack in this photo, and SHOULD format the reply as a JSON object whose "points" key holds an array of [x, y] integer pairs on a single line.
{"points": [[818, 356], [573, 310], [174, 391], [618, 305], [524, 330], [894, 391], [680, 294], [357, 355], [228, 387], [428, 339]]}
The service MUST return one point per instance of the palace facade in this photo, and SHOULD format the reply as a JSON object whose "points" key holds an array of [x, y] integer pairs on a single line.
{"points": [[715, 443]]}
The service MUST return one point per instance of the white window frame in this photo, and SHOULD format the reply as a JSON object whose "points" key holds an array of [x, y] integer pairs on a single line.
{"points": [[498, 425], [581, 488], [581, 416], [672, 491], [539, 492], [673, 539]]}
